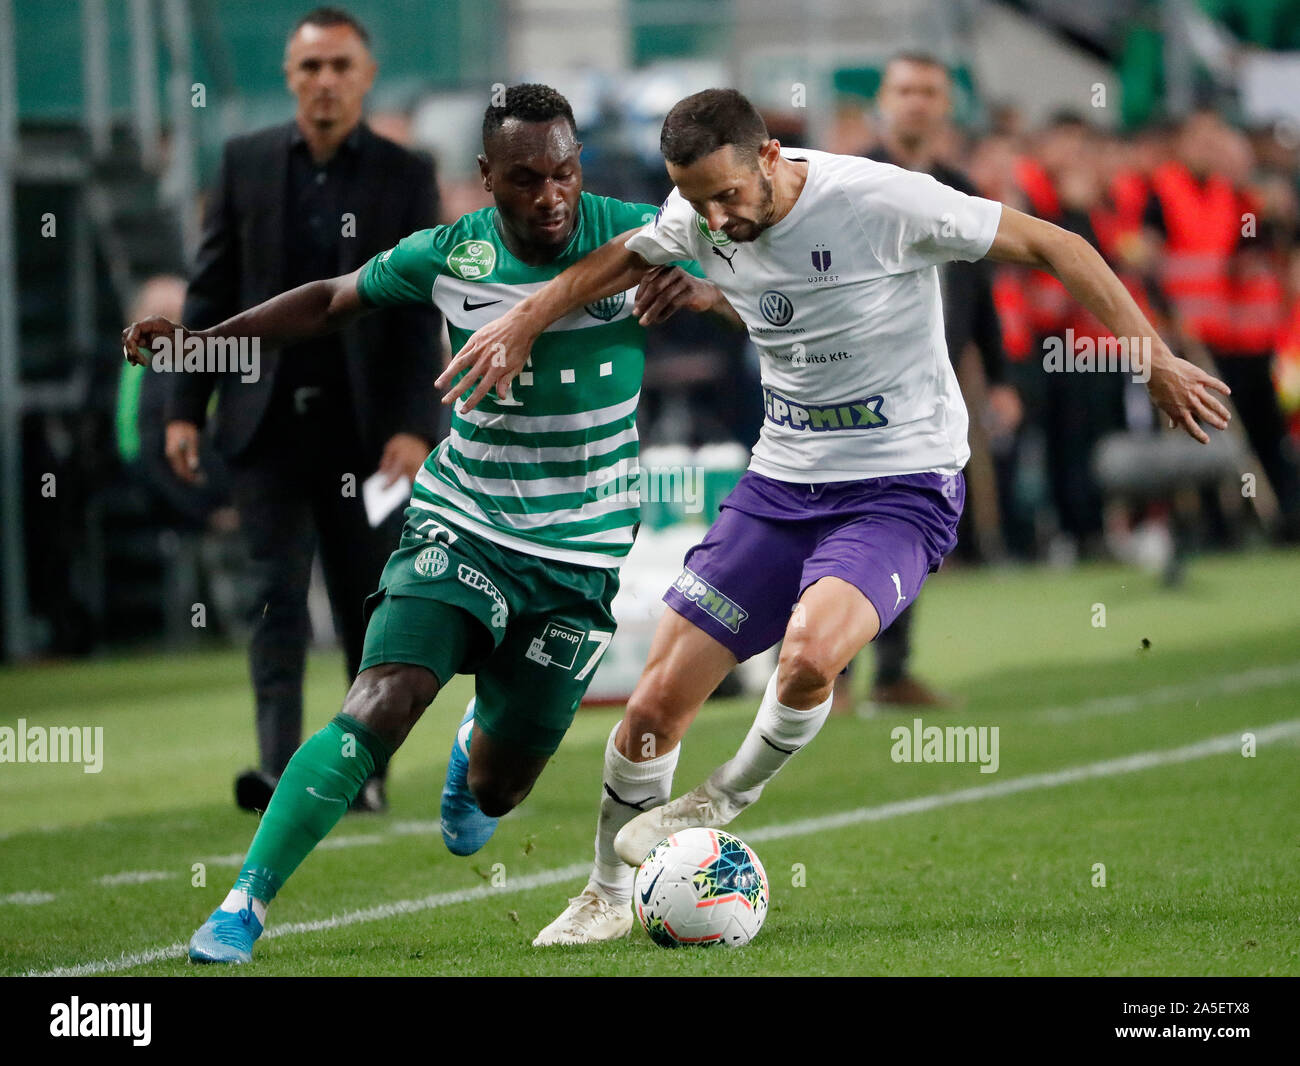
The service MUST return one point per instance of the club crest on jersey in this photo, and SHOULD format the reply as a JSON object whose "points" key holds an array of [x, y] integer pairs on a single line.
{"points": [[472, 260], [713, 236], [608, 308], [776, 307], [432, 562], [557, 646], [821, 259], [818, 418], [709, 599]]}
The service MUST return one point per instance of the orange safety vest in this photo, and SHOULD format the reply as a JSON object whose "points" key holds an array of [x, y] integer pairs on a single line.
{"points": [[1120, 219], [1050, 308], [1203, 226], [1012, 305], [1258, 297]]}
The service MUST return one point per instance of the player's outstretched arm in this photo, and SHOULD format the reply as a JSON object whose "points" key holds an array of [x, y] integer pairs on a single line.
{"points": [[497, 352], [1180, 389], [308, 311]]}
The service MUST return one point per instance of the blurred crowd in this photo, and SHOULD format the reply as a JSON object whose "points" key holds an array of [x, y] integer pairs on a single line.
{"points": [[1200, 220]]}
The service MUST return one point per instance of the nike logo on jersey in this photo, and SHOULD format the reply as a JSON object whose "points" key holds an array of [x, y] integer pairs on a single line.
{"points": [[899, 586], [327, 799], [649, 889], [467, 306], [727, 258]]}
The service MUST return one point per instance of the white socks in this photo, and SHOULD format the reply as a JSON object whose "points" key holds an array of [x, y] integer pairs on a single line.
{"points": [[630, 788], [777, 733], [238, 899]]}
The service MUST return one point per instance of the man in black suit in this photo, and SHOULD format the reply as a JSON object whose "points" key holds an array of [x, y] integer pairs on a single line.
{"points": [[311, 199]]}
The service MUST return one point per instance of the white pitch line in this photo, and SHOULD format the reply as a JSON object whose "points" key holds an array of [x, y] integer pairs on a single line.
{"points": [[1126, 764], [1126, 703], [135, 877], [1261, 677], [28, 899], [1107, 768]]}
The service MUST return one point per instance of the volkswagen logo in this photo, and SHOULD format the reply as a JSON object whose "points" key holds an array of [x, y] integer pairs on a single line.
{"points": [[776, 307]]}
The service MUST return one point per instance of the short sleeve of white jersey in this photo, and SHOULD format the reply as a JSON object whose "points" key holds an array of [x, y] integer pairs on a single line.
{"points": [[913, 221], [667, 237]]}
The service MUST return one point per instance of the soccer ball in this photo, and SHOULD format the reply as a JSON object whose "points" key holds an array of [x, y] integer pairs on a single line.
{"points": [[701, 886]]}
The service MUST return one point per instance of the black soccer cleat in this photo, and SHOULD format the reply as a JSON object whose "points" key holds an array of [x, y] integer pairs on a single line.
{"points": [[253, 790]]}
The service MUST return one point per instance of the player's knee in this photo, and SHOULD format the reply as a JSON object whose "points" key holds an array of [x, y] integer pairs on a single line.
{"points": [[802, 673], [652, 714], [493, 796], [389, 699]]}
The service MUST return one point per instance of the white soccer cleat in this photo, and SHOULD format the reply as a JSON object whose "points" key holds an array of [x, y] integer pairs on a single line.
{"points": [[589, 918], [704, 807]]}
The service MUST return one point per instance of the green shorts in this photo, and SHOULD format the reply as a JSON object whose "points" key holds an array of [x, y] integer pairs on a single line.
{"points": [[530, 629]]}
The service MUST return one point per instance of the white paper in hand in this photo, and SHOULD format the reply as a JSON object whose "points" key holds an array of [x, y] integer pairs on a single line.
{"points": [[380, 502]]}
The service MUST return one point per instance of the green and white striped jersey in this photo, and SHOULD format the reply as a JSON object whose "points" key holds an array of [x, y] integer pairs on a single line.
{"points": [[552, 471]]}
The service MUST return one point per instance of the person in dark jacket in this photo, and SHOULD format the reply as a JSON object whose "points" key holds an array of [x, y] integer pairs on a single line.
{"points": [[310, 199]]}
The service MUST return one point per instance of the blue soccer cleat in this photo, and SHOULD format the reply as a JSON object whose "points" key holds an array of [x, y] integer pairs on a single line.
{"points": [[227, 936], [465, 828]]}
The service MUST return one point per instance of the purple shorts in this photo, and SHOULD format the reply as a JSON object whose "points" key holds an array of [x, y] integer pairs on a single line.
{"points": [[773, 539]]}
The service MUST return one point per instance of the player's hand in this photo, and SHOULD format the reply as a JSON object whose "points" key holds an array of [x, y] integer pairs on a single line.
{"points": [[665, 290], [1182, 390], [403, 456], [182, 451], [138, 337], [492, 357], [1005, 409]]}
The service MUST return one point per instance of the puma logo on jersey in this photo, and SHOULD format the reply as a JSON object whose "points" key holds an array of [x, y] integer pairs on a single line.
{"points": [[899, 586], [727, 258]]}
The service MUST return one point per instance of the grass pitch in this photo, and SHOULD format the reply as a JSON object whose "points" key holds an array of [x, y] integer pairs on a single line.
{"points": [[981, 874]]}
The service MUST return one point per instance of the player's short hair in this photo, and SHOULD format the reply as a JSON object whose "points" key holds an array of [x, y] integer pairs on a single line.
{"points": [[921, 59], [709, 120], [528, 103], [1066, 119], [332, 16]]}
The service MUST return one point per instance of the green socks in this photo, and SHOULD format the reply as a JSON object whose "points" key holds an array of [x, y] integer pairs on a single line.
{"points": [[315, 791]]}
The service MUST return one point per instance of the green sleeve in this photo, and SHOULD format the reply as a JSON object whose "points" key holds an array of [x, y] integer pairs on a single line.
{"points": [[404, 274], [636, 215]]}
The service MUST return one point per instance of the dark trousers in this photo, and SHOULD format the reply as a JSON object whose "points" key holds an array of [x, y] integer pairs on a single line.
{"points": [[1078, 410], [292, 496], [1249, 378], [894, 648]]}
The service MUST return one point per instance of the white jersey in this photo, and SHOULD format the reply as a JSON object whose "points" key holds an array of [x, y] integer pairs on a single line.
{"points": [[841, 297]]}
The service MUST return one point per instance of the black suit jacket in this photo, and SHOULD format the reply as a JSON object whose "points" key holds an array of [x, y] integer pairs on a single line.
{"points": [[391, 355]]}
